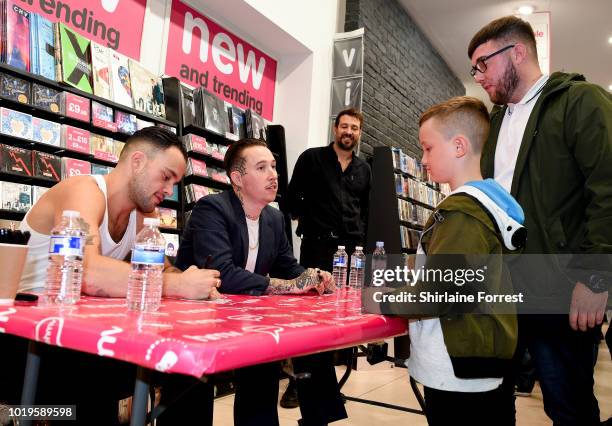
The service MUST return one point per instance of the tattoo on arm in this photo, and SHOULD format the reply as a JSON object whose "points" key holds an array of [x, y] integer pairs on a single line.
{"points": [[278, 286], [300, 284]]}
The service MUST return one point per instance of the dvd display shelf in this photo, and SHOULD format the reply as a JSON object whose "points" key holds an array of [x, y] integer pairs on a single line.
{"points": [[178, 97], [62, 152], [390, 221], [35, 78]]}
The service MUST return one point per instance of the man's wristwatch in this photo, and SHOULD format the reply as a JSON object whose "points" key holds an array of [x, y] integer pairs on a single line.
{"points": [[598, 284]]}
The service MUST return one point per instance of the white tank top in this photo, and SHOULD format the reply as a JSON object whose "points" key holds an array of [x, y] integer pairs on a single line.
{"points": [[35, 269]]}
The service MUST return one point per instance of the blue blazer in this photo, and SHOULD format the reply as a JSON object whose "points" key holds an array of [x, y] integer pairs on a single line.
{"points": [[218, 227]]}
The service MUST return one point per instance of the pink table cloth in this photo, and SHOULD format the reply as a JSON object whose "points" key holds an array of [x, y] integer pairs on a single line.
{"points": [[204, 337]]}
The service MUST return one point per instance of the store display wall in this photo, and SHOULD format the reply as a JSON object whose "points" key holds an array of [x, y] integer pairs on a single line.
{"points": [[403, 74]]}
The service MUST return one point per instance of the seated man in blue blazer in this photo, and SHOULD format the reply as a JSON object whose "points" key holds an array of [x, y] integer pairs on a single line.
{"points": [[240, 235]]}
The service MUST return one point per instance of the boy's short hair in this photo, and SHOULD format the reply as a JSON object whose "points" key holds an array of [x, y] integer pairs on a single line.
{"points": [[234, 152], [155, 138], [462, 114], [507, 29], [352, 112]]}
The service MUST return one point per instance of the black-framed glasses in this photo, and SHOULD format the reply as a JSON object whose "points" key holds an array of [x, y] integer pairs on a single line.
{"points": [[481, 65]]}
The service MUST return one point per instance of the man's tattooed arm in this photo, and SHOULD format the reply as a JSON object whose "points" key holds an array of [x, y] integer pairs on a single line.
{"points": [[308, 280]]}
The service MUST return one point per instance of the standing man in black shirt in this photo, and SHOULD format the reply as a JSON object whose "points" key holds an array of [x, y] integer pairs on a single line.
{"points": [[329, 194]]}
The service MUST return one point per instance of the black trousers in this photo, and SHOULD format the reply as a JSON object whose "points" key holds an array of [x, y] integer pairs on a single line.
{"points": [[444, 408], [319, 396], [564, 360]]}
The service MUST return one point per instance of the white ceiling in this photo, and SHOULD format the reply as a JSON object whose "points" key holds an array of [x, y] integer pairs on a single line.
{"points": [[580, 30]]}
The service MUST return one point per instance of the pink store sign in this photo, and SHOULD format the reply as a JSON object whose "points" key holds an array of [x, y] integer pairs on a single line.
{"points": [[202, 53], [103, 21]]}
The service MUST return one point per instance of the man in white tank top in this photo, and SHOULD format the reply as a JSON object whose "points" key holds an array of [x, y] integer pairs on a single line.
{"points": [[114, 206]]}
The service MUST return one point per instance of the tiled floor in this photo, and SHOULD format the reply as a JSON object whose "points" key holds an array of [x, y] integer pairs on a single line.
{"points": [[383, 382]]}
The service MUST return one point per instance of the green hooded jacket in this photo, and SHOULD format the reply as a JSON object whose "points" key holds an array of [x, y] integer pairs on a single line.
{"points": [[563, 182], [479, 344]]}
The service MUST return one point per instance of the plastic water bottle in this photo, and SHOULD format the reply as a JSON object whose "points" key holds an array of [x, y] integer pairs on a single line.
{"points": [[146, 278], [340, 267], [65, 268], [379, 262], [356, 276]]}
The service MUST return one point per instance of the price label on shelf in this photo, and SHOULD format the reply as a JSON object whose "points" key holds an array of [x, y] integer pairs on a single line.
{"points": [[77, 107], [199, 144], [77, 139]]}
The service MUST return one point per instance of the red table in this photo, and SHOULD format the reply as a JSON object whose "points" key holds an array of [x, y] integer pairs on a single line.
{"points": [[200, 337]]}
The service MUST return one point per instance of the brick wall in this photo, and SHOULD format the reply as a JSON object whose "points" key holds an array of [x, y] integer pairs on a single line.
{"points": [[403, 74]]}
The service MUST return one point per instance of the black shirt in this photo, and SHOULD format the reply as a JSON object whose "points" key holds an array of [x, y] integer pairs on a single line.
{"points": [[326, 200]]}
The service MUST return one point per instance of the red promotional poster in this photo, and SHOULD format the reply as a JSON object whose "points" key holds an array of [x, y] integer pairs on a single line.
{"points": [[77, 139], [73, 167], [202, 53], [103, 21]]}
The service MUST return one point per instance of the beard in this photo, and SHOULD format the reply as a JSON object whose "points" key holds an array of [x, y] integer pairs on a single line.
{"points": [[508, 84], [346, 142], [138, 194]]}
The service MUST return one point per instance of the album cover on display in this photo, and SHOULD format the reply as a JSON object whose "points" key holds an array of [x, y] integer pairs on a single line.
{"points": [[37, 193], [194, 192], [75, 68], [167, 217], [121, 86], [16, 197], [16, 33], [188, 110], [46, 98], [117, 148], [72, 167], [101, 70], [98, 169], [195, 143], [15, 160], [103, 147], [126, 123], [103, 116], [147, 90], [196, 167], [42, 47], [15, 89], [15, 123], [47, 166], [255, 125], [238, 122], [47, 132], [215, 116], [172, 243]]}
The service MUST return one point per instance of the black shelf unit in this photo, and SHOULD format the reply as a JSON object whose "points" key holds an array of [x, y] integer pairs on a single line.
{"points": [[62, 119], [384, 221], [35, 78]]}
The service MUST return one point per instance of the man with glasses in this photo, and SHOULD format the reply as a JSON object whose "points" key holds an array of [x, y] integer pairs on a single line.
{"points": [[550, 145]]}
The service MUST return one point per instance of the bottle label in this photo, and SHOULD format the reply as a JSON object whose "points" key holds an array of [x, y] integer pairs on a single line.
{"points": [[148, 255], [341, 262], [359, 263], [66, 246]]}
